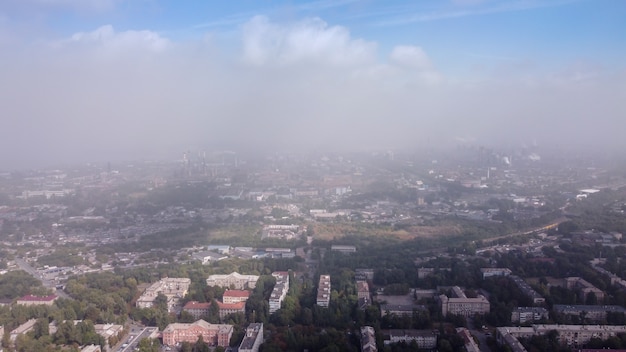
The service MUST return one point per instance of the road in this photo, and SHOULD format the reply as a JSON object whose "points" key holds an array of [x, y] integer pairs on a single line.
{"points": [[136, 335], [479, 334], [22, 264]]}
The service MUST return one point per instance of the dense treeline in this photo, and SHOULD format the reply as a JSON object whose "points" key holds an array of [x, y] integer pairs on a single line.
{"points": [[15, 284]]}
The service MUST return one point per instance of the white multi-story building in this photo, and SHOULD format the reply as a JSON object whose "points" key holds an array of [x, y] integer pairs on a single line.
{"points": [[280, 290], [173, 288], [323, 291], [460, 304], [425, 339], [233, 280]]}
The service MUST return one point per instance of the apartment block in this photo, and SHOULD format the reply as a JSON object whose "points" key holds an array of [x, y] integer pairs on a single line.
{"points": [[425, 339], [235, 296], [253, 338], [173, 288], [213, 334], [368, 339], [323, 291], [460, 304], [233, 280], [280, 290], [569, 335], [524, 315]]}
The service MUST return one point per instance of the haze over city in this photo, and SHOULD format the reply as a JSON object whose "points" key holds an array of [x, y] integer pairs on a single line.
{"points": [[105, 80]]}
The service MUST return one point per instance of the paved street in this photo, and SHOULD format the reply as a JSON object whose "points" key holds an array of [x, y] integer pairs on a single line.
{"points": [[22, 264]]}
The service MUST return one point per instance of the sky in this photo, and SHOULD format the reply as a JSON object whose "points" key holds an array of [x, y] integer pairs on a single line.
{"points": [[94, 80]]}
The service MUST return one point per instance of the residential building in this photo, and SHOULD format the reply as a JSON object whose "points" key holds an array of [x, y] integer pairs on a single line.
{"points": [[423, 273], [583, 288], [197, 309], [280, 290], [253, 338], [108, 330], [323, 291], [172, 288], [91, 348], [231, 308], [235, 296], [30, 300], [22, 329], [588, 313], [343, 249], [527, 290], [401, 309], [368, 339], [489, 272], [570, 335], [425, 339], [524, 315], [462, 305], [468, 339], [363, 294], [233, 280], [213, 334], [364, 274]]}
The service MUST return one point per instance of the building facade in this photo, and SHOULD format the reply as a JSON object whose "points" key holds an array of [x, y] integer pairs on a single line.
{"points": [[233, 280], [172, 288], [323, 291], [197, 309], [212, 334], [30, 300], [279, 292], [460, 304], [425, 339], [235, 296]]}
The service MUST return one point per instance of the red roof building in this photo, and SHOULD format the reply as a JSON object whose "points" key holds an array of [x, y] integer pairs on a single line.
{"points": [[235, 296], [197, 309], [30, 300], [231, 308]]}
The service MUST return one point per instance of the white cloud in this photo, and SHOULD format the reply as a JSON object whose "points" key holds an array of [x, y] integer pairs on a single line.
{"points": [[411, 57], [310, 41], [310, 85], [110, 42]]}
